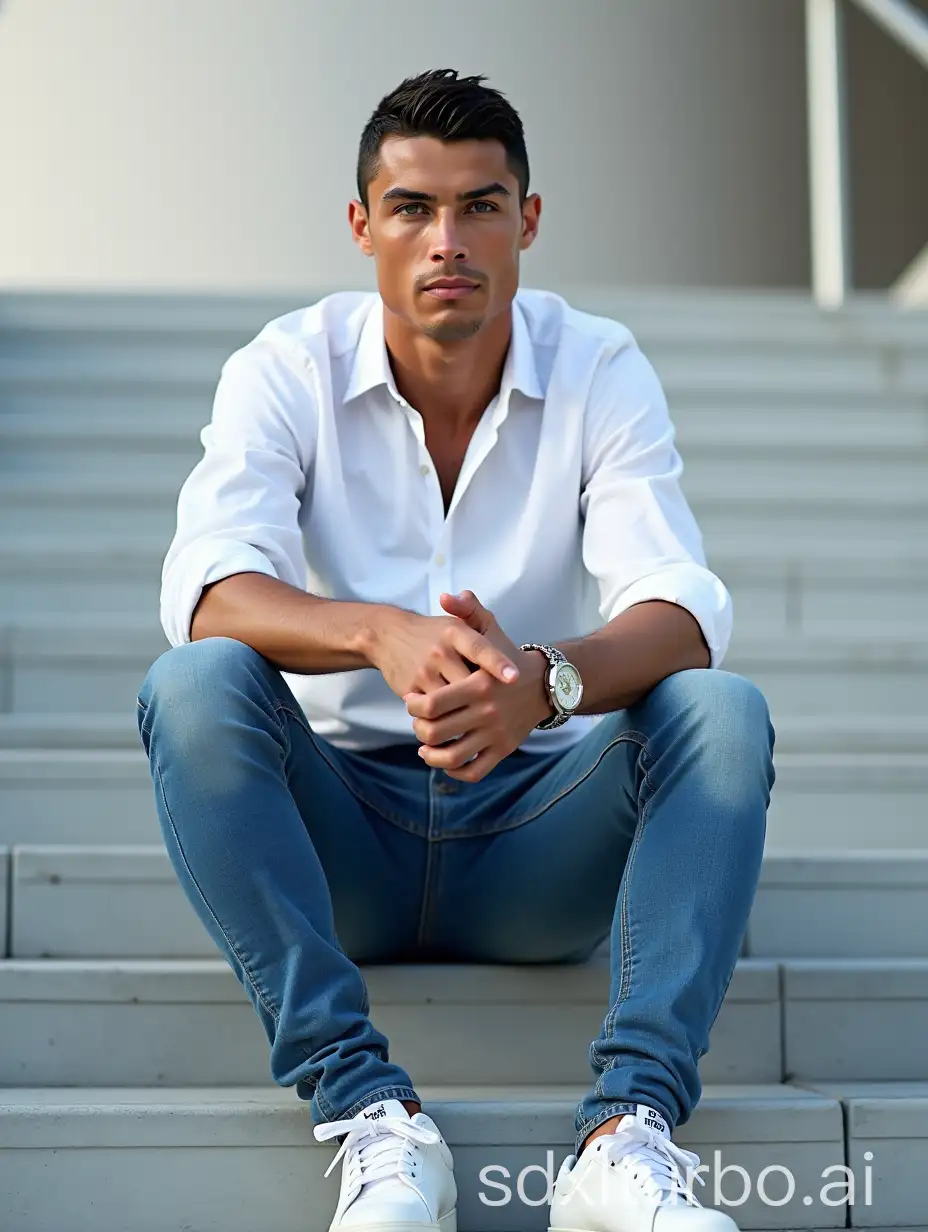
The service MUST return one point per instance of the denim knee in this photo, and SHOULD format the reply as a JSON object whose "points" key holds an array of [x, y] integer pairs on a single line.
{"points": [[187, 682], [728, 705], [725, 719]]}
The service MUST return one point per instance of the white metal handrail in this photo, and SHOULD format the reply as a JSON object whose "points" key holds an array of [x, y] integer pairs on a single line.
{"points": [[828, 155]]}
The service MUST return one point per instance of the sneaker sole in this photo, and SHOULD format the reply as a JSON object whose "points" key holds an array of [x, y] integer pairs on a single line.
{"points": [[447, 1223]]}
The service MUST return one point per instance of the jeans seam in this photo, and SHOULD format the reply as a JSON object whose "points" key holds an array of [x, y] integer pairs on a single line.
{"points": [[402, 822], [429, 892], [258, 987], [632, 736], [624, 936]]}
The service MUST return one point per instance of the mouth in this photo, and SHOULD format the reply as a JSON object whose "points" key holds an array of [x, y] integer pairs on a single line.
{"points": [[451, 288]]}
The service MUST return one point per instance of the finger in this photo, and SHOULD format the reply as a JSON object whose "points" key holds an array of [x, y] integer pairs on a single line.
{"points": [[467, 608], [453, 756], [453, 725], [477, 769], [449, 698], [450, 668], [477, 649]]}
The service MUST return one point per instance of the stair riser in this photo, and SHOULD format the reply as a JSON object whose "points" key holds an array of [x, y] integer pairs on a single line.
{"points": [[5, 902], [101, 686], [83, 904], [781, 523], [838, 922], [193, 369], [834, 813], [165, 431], [757, 472], [165, 1044], [761, 603], [240, 1188], [856, 1038]]}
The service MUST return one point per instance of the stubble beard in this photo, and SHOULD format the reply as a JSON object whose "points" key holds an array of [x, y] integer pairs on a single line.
{"points": [[453, 331]]}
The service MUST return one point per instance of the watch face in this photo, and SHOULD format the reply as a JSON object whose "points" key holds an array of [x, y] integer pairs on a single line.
{"points": [[569, 686]]}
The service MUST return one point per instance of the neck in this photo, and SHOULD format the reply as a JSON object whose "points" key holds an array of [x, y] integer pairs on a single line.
{"points": [[449, 383]]}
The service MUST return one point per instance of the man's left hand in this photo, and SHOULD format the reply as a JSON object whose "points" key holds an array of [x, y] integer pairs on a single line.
{"points": [[485, 718]]}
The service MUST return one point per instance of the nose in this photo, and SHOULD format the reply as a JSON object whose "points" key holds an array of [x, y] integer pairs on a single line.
{"points": [[446, 246]]}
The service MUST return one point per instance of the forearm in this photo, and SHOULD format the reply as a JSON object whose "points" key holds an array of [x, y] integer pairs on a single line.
{"points": [[627, 657], [296, 631]]}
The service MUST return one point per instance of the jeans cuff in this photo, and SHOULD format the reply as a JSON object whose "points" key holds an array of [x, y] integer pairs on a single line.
{"points": [[614, 1110], [401, 1093]]}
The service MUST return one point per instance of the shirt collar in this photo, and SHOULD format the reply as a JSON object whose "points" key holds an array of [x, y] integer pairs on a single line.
{"points": [[371, 365]]}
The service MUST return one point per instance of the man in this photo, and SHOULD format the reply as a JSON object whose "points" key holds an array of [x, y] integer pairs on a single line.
{"points": [[444, 680]]}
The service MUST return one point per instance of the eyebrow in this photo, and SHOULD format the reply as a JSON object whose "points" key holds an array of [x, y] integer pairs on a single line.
{"points": [[408, 194]]}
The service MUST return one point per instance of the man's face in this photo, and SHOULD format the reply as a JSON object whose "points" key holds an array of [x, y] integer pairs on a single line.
{"points": [[445, 211]]}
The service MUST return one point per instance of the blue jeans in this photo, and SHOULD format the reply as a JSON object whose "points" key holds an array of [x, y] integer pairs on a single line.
{"points": [[303, 860]]}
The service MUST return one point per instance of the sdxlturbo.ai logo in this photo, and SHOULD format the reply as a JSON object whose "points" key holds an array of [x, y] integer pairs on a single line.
{"points": [[775, 1185]]}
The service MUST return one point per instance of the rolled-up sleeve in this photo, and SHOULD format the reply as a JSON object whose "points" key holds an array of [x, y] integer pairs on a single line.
{"points": [[238, 510], [641, 540]]}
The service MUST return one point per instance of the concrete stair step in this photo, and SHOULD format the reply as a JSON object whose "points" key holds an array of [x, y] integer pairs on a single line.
{"points": [[886, 1130], [889, 486], [855, 1019], [813, 583], [87, 901], [897, 363], [5, 901], [828, 801], [236, 1159], [758, 477], [68, 731], [732, 427], [100, 668], [156, 1023], [99, 903], [831, 734], [77, 795], [32, 318], [857, 798], [65, 899], [125, 1022], [851, 904]]}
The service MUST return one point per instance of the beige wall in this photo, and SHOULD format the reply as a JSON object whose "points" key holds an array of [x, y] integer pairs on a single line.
{"points": [[210, 144]]}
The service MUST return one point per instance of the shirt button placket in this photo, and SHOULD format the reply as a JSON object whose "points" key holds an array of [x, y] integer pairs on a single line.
{"points": [[439, 580]]}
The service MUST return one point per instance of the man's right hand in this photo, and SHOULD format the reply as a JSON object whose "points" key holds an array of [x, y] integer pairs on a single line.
{"points": [[417, 654]]}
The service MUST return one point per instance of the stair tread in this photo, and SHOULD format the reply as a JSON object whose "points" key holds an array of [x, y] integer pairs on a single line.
{"points": [[468, 1114]]}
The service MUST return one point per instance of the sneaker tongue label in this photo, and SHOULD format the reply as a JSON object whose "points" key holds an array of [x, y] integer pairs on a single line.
{"points": [[651, 1119], [386, 1108]]}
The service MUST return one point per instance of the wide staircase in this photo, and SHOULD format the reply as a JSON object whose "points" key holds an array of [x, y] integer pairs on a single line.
{"points": [[135, 1092]]}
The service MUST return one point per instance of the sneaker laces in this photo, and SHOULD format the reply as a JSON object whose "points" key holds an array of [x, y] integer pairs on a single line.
{"points": [[376, 1150], [658, 1165]]}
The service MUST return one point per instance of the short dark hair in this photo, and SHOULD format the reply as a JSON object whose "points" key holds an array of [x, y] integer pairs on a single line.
{"points": [[441, 104]]}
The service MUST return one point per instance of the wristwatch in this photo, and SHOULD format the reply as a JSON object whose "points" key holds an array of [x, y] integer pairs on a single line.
{"points": [[562, 683]]}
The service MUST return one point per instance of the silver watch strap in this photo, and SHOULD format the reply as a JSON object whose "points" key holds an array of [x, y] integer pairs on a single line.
{"points": [[554, 656]]}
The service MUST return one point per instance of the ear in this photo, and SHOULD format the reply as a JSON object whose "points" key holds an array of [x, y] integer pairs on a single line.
{"points": [[531, 215], [360, 227]]}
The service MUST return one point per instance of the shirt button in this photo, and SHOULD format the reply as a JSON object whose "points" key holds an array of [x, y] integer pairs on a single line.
{"points": [[423, 469], [439, 560]]}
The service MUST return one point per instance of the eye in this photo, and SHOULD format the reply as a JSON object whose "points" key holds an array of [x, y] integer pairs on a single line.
{"points": [[410, 205], [491, 208]]}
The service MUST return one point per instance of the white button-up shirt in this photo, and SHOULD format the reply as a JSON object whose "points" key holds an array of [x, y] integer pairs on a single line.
{"points": [[567, 510]]}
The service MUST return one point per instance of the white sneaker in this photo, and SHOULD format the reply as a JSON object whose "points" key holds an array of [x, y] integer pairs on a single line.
{"points": [[632, 1180], [397, 1174]]}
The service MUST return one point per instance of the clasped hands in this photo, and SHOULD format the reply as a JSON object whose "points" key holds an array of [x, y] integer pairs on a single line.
{"points": [[486, 718]]}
